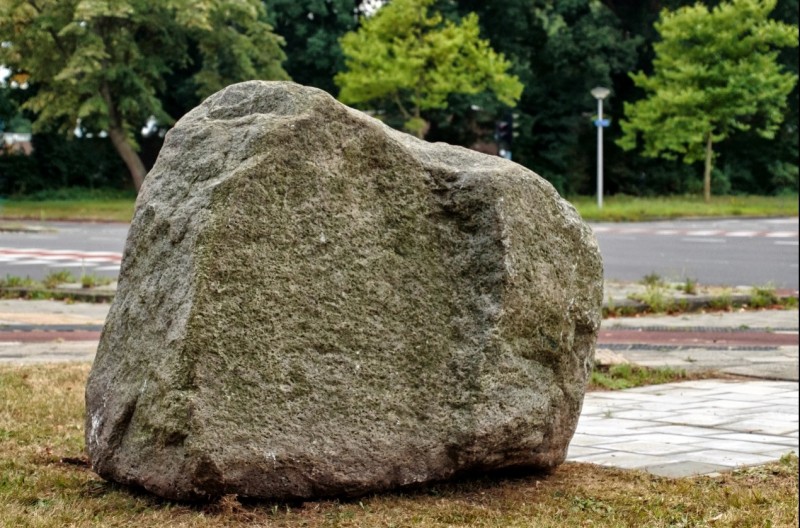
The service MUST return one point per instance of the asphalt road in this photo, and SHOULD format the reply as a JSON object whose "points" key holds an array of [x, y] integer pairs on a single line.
{"points": [[727, 252], [735, 252], [81, 248]]}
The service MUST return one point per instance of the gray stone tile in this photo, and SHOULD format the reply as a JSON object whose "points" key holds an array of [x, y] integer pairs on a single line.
{"points": [[624, 396], [726, 404], [594, 409], [789, 400], [779, 417], [698, 419], [689, 428], [625, 460], [755, 437], [726, 458], [739, 446], [618, 425], [683, 430], [703, 384], [648, 447], [661, 438], [772, 359], [761, 427], [684, 469], [757, 389], [639, 414], [576, 451], [778, 453], [592, 440]]}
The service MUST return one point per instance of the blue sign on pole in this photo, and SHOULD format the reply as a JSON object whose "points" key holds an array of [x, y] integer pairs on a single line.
{"points": [[602, 123]]}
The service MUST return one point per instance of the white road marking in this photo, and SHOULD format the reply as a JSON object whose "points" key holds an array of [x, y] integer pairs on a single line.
{"points": [[705, 240], [782, 234], [741, 233], [28, 262], [59, 258], [704, 233]]}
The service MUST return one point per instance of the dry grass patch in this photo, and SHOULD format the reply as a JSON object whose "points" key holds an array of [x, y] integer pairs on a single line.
{"points": [[44, 484]]}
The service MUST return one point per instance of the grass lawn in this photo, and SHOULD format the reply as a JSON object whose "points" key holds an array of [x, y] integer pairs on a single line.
{"points": [[88, 209], [615, 208], [634, 209], [43, 483]]}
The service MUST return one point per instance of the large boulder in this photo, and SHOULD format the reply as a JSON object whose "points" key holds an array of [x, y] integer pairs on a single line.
{"points": [[312, 304]]}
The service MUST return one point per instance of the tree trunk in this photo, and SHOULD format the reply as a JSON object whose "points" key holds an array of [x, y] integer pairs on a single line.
{"points": [[116, 131], [707, 172], [128, 155]]}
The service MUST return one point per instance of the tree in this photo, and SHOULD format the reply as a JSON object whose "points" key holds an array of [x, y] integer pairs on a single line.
{"points": [[409, 58], [312, 29], [100, 65], [559, 50], [715, 73]]}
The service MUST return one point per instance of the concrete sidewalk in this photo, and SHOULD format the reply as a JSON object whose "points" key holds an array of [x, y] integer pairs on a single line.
{"points": [[688, 428], [759, 360]]}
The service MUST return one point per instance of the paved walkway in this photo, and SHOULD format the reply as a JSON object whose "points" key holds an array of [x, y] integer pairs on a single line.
{"points": [[688, 428], [764, 354]]}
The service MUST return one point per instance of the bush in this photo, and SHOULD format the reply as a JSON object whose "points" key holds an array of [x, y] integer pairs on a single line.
{"points": [[58, 162]]}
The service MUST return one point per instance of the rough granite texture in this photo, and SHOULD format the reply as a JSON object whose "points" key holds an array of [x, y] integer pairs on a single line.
{"points": [[312, 304]]}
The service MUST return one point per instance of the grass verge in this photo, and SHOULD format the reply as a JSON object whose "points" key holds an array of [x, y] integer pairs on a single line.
{"points": [[97, 210], [82, 204], [43, 483], [58, 286], [623, 208], [626, 376], [653, 295]]}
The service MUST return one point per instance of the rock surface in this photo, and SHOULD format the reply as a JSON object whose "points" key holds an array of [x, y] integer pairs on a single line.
{"points": [[312, 304]]}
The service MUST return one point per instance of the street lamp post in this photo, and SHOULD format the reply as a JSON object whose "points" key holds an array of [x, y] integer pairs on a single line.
{"points": [[600, 93]]}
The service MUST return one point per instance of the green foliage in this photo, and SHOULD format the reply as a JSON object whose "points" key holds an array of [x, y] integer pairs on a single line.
{"points": [[627, 376], [624, 208], [763, 297], [90, 281], [101, 65], [559, 50], [57, 278], [652, 279], [723, 301], [689, 287], [656, 297], [715, 73], [411, 59], [14, 281], [58, 164], [312, 29]]}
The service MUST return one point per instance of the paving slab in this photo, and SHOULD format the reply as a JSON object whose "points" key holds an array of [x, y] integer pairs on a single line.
{"points": [[719, 427], [685, 469], [744, 319], [16, 353], [24, 312]]}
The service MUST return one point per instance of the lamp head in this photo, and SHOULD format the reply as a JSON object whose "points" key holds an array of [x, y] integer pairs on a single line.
{"points": [[600, 93]]}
